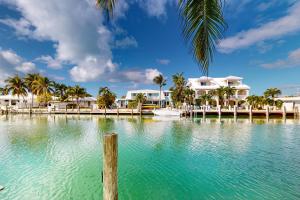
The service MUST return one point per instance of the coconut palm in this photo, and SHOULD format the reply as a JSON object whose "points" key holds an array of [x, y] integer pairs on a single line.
{"points": [[161, 81], [43, 87], [16, 86], [178, 88], [60, 91], [219, 93], [29, 79], [272, 92], [106, 98], [206, 98], [229, 92], [202, 22], [140, 98], [189, 96], [77, 92]]}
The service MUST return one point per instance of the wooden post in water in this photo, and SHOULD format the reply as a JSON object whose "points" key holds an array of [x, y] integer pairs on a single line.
{"points": [[110, 167], [219, 111], [284, 112], [267, 113], [204, 112], [235, 111], [250, 113], [131, 111], [118, 111], [105, 111]]}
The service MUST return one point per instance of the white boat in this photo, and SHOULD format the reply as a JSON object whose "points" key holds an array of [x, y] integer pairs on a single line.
{"points": [[166, 112]]}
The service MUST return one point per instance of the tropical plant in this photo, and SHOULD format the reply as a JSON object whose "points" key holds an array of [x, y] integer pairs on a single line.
{"points": [[189, 96], [278, 103], [106, 98], [205, 98], [16, 86], [228, 92], [178, 88], [42, 87], [3, 91], [219, 93], [140, 98], [161, 81], [202, 23], [77, 92], [60, 91], [272, 93], [29, 80]]}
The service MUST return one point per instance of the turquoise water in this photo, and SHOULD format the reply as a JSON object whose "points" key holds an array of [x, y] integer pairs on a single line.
{"points": [[60, 157]]}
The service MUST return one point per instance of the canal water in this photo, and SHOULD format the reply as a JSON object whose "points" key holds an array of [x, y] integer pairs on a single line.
{"points": [[60, 157]]}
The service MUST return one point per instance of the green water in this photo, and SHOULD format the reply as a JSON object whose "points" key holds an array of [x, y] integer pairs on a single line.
{"points": [[59, 157]]}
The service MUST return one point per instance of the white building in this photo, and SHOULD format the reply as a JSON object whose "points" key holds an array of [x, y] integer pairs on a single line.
{"points": [[204, 85], [290, 102], [15, 101], [152, 97]]}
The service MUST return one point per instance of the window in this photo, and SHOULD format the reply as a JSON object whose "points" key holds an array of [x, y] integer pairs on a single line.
{"points": [[203, 83]]}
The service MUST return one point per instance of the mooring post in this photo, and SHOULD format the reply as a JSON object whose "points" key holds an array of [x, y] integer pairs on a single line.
{"points": [[235, 111], [110, 167], [250, 113], [105, 111], [219, 110], [132, 111], [204, 112], [267, 112], [118, 111], [283, 112]]}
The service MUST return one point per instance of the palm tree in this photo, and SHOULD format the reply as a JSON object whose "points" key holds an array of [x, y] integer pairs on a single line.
{"points": [[106, 98], [29, 79], [140, 98], [219, 93], [16, 86], [272, 92], [161, 81], [202, 22], [178, 88], [43, 87], [60, 91], [189, 96], [229, 92], [78, 92], [206, 98]]}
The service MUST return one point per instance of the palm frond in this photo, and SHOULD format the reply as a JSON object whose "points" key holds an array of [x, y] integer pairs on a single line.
{"points": [[203, 24], [107, 6]]}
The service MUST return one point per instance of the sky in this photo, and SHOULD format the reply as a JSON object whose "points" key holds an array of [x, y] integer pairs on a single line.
{"points": [[73, 42]]}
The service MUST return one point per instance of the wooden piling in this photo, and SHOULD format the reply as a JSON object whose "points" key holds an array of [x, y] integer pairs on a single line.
{"points": [[267, 112], [219, 111], [131, 111], [118, 111], [250, 113], [110, 167], [235, 111], [204, 112], [283, 112], [105, 111]]}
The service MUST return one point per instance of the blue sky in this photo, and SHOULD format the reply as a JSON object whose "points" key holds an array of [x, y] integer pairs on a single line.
{"points": [[71, 42]]}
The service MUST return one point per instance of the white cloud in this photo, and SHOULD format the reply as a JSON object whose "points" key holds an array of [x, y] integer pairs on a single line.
{"points": [[288, 24], [293, 60], [163, 61], [155, 8], [26, 67], [126, 42], [75, 26], [51, 62], [11, 63], [136, 76]]}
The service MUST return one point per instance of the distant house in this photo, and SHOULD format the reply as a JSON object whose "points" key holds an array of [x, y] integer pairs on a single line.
{"points": [[204, 85], [86, 102], [15, 101], [152, 97], [290, 102]]}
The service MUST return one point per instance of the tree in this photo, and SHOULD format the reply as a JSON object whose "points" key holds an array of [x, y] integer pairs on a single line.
{"points": [[178, 88], [161, 81], [106, 98], [3, 91], [206, 98], [16, 86], [60, 91], [42, 87], [219, 93], [189, 96], [272, 92], [29, 81], [202, 22], [77, 92], [228, 92], [278, 103]]}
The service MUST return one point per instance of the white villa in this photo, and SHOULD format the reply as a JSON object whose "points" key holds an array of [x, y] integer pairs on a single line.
{"points": [[152, 97], [204, 85]]}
